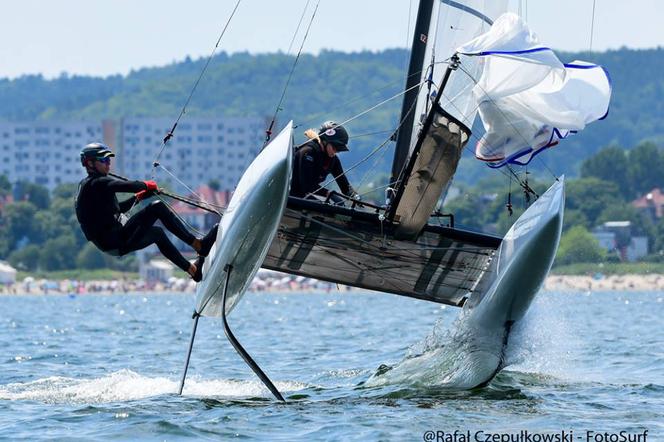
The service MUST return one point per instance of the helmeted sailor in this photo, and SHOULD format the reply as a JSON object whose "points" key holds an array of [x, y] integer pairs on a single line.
{"points": [[103, 222], [317, 158]]}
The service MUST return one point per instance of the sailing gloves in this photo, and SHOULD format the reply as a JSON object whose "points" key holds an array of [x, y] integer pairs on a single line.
{"points": [[151, 188], [151, 185]]}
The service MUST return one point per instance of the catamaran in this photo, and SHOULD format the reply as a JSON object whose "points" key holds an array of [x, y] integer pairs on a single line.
{"points": [[468, 57]]}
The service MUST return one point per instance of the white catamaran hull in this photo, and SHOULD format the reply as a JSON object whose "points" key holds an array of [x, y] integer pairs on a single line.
{"points": [[474, 351], [521, 263], [248, 226], [516, 274]]}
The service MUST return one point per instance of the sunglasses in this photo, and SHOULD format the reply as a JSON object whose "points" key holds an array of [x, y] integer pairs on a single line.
{"points": [[106, 160]]}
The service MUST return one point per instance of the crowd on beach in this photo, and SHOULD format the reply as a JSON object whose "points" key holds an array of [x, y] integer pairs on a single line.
{"points": [[267, 281], [264, 282], [600, 282]]}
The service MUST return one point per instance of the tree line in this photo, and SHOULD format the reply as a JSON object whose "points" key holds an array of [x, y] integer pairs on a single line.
{"points": [[39, 231], [329, 86], [608, 182]]}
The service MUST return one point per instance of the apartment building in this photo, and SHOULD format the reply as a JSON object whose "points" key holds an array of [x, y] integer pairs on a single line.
{"points": [[202, 150], [45, 153]]}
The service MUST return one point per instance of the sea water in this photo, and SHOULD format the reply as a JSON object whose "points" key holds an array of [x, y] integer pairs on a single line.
{"points": [[583, 366]]}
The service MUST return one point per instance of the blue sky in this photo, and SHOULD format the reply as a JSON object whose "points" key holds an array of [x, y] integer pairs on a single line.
{"points": [[103, 37]]}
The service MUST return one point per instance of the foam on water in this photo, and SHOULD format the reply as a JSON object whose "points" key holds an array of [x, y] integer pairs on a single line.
{"points": [[546, 342], [461, 357], [126, 385], [455, 358]]}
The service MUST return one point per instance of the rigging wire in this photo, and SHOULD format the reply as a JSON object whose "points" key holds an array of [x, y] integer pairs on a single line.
{"points": [[268, 132], [193, 192], [344, 105], [297, 30], [381, 146], [170, 134], [387, 100], [592, 28]]}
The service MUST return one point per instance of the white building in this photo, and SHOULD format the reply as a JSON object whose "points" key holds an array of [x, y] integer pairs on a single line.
{"points": [[156, 270], [203, 149], [7, 273], [616, 237], [45, 153]]}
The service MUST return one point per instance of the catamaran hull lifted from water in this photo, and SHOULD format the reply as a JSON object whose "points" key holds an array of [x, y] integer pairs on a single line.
{"points": [[247, 227]]}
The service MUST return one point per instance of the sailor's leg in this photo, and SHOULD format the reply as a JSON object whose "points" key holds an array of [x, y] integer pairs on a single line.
{"points": [[157, 210], [143, 237]]}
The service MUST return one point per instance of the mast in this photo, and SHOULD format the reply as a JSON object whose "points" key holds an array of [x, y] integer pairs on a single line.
{"points": [[418, 49]]}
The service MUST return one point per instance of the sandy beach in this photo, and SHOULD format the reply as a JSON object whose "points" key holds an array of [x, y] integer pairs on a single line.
{"points": [[286, 283], [653, 282]]}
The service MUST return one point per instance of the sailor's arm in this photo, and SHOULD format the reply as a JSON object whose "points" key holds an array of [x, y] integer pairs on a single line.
{"points": [[120, 186], [141, 189], [340, 178]]}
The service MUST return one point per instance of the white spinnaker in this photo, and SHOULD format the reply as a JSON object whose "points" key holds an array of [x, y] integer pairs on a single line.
{"points": [[452, 24], [527, 98]]}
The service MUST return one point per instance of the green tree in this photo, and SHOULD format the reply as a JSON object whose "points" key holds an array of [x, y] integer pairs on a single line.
{"points": [[18, 219], [579, 245], [26, 259], [92, 258], [658, 247], [34, 193], [65, 191], [646, 168], [574, 217], [610, 164], [590, 196], [58, 253], [5, 186], [467, 210]]}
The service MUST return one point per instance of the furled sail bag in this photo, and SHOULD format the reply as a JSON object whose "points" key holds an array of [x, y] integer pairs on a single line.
{"points": [[528, 99]]}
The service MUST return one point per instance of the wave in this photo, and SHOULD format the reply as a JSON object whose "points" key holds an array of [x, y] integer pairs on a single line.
{"points": [[126, 385], [455, 358], [543, 343]]}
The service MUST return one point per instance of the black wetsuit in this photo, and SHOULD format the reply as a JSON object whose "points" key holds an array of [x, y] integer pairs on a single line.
{"points": [[98, 212], [311, 165]]}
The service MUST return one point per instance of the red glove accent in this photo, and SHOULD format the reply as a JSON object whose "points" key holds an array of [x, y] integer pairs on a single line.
{"points": [[142, 194], [152, 185]]}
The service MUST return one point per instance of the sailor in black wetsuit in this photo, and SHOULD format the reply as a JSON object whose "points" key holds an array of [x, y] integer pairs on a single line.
{"points": [[316, 159], [102, 217]]}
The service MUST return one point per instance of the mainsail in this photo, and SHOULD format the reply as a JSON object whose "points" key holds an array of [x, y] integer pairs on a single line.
{"points": [[444, 112]]}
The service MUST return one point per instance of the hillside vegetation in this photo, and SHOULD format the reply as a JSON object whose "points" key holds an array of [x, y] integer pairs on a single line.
{"points": [[332, 85]]}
